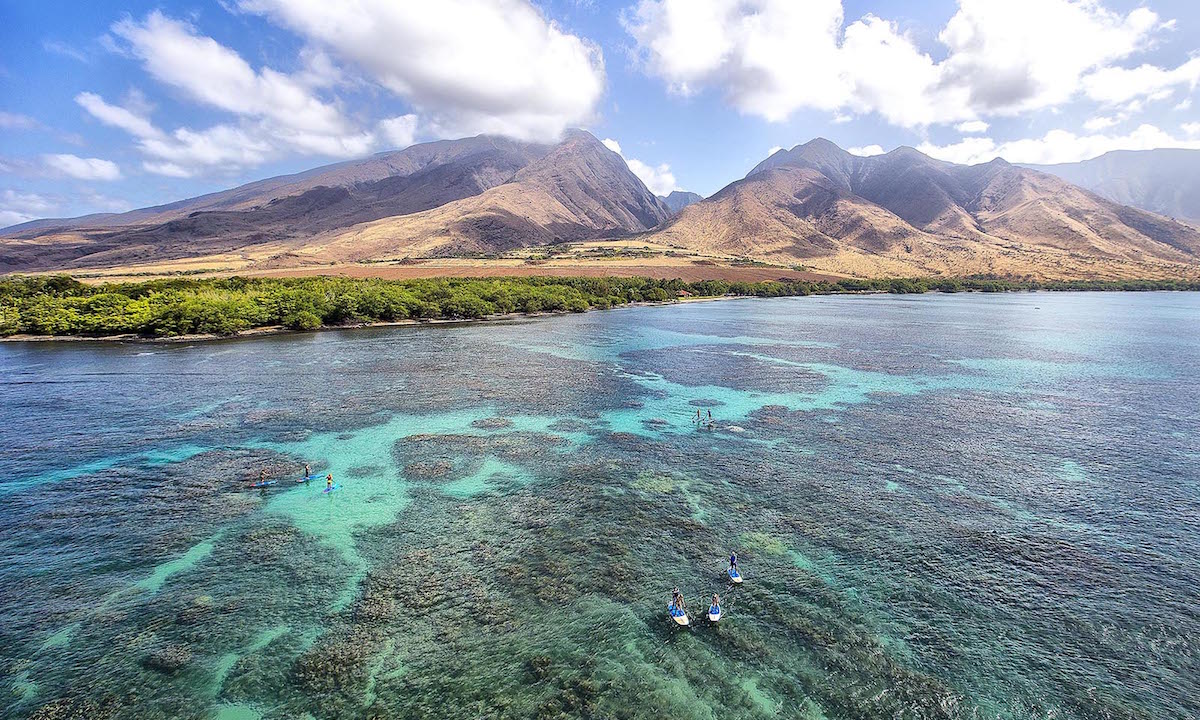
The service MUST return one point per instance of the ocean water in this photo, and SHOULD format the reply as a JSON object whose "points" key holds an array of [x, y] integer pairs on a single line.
{"points": [[966, 506]]}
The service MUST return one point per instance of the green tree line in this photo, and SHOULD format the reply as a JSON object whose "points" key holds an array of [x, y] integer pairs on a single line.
{"points": [[60, 305]]}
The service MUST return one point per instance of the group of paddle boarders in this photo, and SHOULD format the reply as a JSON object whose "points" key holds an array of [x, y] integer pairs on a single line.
{"points": [[263, 483], [701, 421], [678, 607]]}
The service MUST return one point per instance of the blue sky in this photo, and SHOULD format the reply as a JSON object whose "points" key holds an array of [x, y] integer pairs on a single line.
{"points": [[107, 106]]}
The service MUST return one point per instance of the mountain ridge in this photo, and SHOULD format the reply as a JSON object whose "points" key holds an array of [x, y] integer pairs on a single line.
{"points": [[1164, 181], [898, 213], [679, 199], [904, 212]]}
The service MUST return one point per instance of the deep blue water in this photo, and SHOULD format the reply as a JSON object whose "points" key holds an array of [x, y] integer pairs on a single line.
{"points": [[965, 506]]}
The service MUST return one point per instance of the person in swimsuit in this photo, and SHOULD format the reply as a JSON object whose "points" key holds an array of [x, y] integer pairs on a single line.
{"points": [[733, 562], [307, 472], [262, 476], [329, 482], [676, 601], [715, 608]]}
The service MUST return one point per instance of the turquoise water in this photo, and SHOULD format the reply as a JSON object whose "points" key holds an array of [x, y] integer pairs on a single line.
{"points": [[945, 506]]}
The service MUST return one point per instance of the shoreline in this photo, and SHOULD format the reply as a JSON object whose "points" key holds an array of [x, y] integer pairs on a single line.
{"points": [[274, 330]]}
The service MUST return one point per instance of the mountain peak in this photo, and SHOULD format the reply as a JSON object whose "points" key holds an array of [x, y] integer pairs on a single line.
{"points": [[679, 199], [820, 143], [818, 153]]}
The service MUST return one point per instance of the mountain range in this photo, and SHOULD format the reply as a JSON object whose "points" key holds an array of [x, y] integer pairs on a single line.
{"points": [[904, 213], [1164, 181], [816, 205]]}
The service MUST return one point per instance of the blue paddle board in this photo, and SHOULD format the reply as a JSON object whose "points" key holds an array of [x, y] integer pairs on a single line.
{"points": [[335, 487], [268, 483], [735, 576], [714, 613], [677, 614]]}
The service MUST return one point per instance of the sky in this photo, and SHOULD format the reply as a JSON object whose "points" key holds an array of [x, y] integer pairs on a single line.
{"points": [[110, 105]]}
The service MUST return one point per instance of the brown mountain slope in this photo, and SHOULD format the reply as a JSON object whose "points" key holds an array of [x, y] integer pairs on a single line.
{"points": [[906, 213], [381, 166], [580, 190], [479, 195]]}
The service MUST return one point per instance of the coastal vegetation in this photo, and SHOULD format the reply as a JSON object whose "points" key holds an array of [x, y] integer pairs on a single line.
{"points": [[61, 305]]}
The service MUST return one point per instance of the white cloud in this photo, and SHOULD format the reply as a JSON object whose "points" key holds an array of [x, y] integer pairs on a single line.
{"points": [[186, 152], [58, 47], [471, 66], [771, 57], [657, 178], [276, 114], [1117, 85], [774, 57], [1185, 104], [16, 121], [82, 168], [117, 116], [1099, 123], [972, 127], [18, 207], [1057, 146], [1192, 129], [866, 150], [97, 202], [210, 73], [967, 151], [1015, 55], [399, 131]]}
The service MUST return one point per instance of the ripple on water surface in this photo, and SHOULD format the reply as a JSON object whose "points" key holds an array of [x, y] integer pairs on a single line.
{"points": [[958, 506]]}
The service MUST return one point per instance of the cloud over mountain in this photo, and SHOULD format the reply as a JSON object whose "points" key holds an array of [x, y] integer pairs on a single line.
{"points": [[470, 66], [773, 58]]}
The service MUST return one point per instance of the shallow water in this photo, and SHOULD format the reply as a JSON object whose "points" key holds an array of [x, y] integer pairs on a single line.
{"points": [[957, 506]]}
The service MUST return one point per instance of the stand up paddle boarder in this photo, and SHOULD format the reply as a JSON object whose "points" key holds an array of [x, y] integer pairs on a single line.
{"points": [[677, 609], [714, 610]]}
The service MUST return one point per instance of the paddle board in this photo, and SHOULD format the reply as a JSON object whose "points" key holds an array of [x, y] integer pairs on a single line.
{"points": [[735, 576], [714, 616], [268, 483], [678, 615], [335, 487]]}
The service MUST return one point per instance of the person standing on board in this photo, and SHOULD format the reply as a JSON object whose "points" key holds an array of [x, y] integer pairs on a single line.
{"points": [[329, 482]]}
